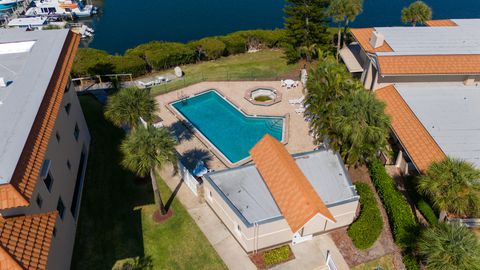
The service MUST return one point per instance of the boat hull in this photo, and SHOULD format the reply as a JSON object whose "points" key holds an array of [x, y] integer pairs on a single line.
{"points": [[7, 6]]}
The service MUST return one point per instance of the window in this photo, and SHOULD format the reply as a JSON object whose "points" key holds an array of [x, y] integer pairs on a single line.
{"points": [[54, 233], [67, 107], [39, 201], [48, 182], [69, 166], [78, 186], [60, 208], [76, 132], [57, 135]]}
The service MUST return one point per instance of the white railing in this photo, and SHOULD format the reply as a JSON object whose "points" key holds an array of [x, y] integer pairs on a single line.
{"points": [[188, 178]]}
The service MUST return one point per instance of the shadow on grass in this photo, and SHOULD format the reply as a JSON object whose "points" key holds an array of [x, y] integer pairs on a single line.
{"points": [[110, 224]]}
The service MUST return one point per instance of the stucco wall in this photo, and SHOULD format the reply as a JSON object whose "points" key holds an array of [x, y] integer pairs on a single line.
{"points": [[64, 180], [273, 232]]}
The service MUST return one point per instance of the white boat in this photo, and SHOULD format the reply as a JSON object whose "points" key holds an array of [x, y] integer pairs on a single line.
{"points": [[30, 22], [60, 8], [8, 4]]}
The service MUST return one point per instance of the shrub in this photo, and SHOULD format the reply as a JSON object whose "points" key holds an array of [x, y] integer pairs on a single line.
{"points": [[92, 61], [162, 55], [129, 64], [410, 262], [234, 43], [400, 215], [427, 212], [368, 226], [210, 48], [277, 255]]}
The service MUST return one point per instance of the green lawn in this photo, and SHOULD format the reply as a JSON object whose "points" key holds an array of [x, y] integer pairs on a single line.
{"points": [[385, 262], [115, 219], [265, 64]]}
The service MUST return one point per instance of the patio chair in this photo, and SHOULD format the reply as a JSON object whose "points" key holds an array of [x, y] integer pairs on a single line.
{"points": [[300, 110], [297, 100]]}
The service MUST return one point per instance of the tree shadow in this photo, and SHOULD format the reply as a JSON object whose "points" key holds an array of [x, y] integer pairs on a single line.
{"points": [[191, 157], [179, 130], [173, 195]]}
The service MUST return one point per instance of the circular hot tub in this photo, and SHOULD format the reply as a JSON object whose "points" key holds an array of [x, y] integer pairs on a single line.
{"points": [[263, 96]]}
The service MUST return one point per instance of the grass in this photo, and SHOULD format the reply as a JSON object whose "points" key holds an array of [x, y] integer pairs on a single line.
{"points": [[385, 262], [115, 220], [265, 64]]}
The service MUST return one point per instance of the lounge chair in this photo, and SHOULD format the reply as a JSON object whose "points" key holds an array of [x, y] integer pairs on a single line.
{"points": [[297, 100], [300, 110]]}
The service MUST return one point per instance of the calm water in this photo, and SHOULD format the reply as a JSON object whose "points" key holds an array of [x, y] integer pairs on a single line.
{"points": [[125, 24], [228, 129]]}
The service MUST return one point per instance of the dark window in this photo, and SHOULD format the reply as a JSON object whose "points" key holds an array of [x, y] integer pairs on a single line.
{"points": [[69, 166], [60, 208], [76, 132], [48, 181], [78, 185], [54, 233], [57, 135], [39, 201], [67, 108]]}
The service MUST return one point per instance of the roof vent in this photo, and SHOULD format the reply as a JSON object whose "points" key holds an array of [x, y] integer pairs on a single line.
{"points": [[2, 82], [377, 39]]}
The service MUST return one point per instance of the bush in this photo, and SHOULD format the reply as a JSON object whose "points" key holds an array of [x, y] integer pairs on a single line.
{"points": [[410, 262], [210, 48], [162, 55], [400, 215], [129, 64], [92, 61], [234, 43], [420, 201], [368, 226], [277, 255]]}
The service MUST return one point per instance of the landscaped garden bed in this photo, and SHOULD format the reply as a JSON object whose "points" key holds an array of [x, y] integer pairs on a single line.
{"points": [[269, 258]]}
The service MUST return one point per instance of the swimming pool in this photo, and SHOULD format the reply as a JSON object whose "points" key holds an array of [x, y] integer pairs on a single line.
{"points": [[231, 131]]}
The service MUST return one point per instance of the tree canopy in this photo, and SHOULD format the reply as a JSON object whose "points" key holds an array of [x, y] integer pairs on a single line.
{"points": [[305, 22], [129, 104], [343, 115], [450, 246], [453, 185], [417, 12]]}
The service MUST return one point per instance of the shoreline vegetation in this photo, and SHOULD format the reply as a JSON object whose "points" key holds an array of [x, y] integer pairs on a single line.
{"points": [[158, 55]]}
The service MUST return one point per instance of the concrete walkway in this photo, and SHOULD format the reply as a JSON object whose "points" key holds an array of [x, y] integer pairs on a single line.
{"points": [[308, 255]]}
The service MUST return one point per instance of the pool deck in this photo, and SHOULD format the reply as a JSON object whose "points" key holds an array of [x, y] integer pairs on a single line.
{"points": [[193, 149]]}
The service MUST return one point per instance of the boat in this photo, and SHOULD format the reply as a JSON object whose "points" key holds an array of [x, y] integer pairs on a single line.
{"points": [[8, 4], [65, 8]]}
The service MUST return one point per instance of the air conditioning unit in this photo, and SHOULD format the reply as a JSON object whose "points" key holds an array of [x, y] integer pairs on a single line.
{"points": [[377, 39]]}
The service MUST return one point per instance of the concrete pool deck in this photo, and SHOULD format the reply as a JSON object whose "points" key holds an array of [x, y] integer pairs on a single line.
{"points": [[193, 149]]}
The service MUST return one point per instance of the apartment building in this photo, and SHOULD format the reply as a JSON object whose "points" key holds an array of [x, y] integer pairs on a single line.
{"points": [[44, 144]]}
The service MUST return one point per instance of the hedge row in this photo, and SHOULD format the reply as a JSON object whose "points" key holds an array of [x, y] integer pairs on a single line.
{"points": [[368, 226], [410, 261], [400, 215], [157, 55], [420, 201]]}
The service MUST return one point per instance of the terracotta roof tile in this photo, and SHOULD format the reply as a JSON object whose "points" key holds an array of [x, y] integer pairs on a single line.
{"points": [[297, 199], [415, 139], [429, 64], [25, 241], [28, 167], [436, 23], [362, 35]]}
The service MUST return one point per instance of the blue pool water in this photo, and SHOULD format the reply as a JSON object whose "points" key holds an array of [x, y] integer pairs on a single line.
{"points": [[228, 129]]}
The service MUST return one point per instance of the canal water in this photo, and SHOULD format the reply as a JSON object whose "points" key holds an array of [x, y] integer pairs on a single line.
{"points": [[125, 24]]}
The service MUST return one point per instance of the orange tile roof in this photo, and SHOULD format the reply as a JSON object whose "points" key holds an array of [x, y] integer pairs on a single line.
{"points": [[362, 35], [429, 64], [436, 23], [294, 194], [415, 139], [25, 241], [28, 167]]}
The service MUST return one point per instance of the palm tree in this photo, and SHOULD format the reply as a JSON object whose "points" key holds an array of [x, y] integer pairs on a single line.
{"points": [[453, 185], [145, 149], [417, 12], [360, 127], [344, 11], [450, 246], [308, 51], [129, 104]]}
